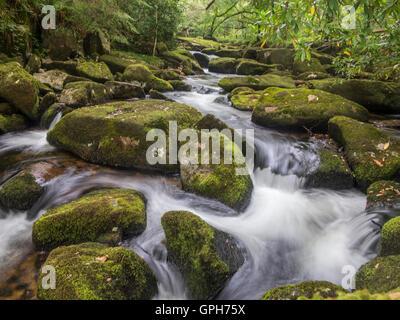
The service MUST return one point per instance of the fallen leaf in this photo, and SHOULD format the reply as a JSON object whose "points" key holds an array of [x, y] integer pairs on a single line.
{"points": [[102, 259], [387, 145], [378, 163]]}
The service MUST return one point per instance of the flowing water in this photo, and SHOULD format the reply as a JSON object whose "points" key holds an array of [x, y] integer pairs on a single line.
{"points": [[289, 234]]}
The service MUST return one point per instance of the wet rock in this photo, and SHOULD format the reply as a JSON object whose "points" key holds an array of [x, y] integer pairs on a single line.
{"points": [[21, 192], [390, 235], [332, 172], [223, 65], [202, 58], [66, 66], [379, 275], [45, 102], [19, 88], [117, 63], [70, 79], [96, 71], [96, 43], [159, 85], [154, 94], [303, 108], [53, 78], [314, 65], [13, 122], [383, 194], [257, 82], [310, 75], [376, 96], [33, 65], [83, 93], [90, 217], [167, 74], [7, 109], [245, 99], [229, 53], [124, 90], [251, 67], [304, 289], [50, 114], [61, 44], [220, 181], [181, 58], [372, 154], [92, 271], [280, 56], [207, 257], [115, 133], [179, 85], [139, 72]]}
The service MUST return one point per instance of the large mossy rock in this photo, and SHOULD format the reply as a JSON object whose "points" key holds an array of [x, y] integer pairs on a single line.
{"points": [[115, 133], [376, 96], [202, 59], [52, 78], [68, 66], [118, 63], [372, 154], [90, 217], [181, 58], [332, 173], [282, 56], [304, 289], [383, 195], [34, 63], [314, 65], [245, 99], [207, 257], [61, 43], [19, 88], [223, 65], [96, 71], [303, 108], [379, 275], [13, 122], [96, 44], [229, 53], [250, 67], [91, 271], [83, 93], [220, 181], [141, 73], [21, 192], [124, 90], [257, 82], [390, 238]]}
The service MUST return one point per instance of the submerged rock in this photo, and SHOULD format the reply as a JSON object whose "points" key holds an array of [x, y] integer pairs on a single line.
{"points": [[257, 82], [379, 275], [372, 154], [390, 236], [383, 194], [115, 133], [207, 257], [303, 108], [83, 93], [376, 96], [332, 173], [19, 88], [304, 289], [90, 217], [21, 192], [96, 71], [92, 271]]}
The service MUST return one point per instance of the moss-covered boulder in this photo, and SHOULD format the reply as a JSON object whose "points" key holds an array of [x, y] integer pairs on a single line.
{"points": [[159, 85], [250, 67], [167, 74], [390, 238], [115, 133], [202, 59], [310, 75], [19, 88], [372, 154], [181, 58], [124, 90], [379, 275], [223, 65], [139, 72], [303, 108], [50, 114], [7, 108], [92, 271], [83, 93], [257, 82], [207, 257], [383, 194], [154, 94], [70, 79], [220, 181], [68, 66], [34, 63], [90, 217], [246, 99], [96, 44], [13, 122], [304, 289], [376, 96], [119, 63], [21, 192], [53, 78], [332, 172], [314, 65], [96, 71], [179, 85], [229, 53], [282, 56], [324, 58], [62, 43]]}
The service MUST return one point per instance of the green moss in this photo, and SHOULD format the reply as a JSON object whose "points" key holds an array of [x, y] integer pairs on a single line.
{"points": [[282, 56], [124, 90], [89, 217], [82, 275], [200, 42], [115, 133], [182, 59], [52, 78], [220, 181], [151, 61], [167, 74], [223, 65], [299, 108], [304, 289], [195, 247], [137, 72], [96, 71], [6, 109], [390, 238], [19, 88], [376, 96], [21, 192], [383, 194], [314, 65], [365, 150], [310, 75], [379, 275], [257, 82], [252, 67], [229, 53], [159, 85], [82, 93], [14, 122], [332, 173], [34, 63], [357, 295], [180, 85], [246, 100]]}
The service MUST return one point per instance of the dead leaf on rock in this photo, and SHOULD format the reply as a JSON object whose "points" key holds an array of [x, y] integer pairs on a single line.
{"points": [[378, 163], [102, 259], [312, 97]]}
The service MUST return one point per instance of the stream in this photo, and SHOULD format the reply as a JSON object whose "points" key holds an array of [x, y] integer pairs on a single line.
{"points": [[289, 234]]}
